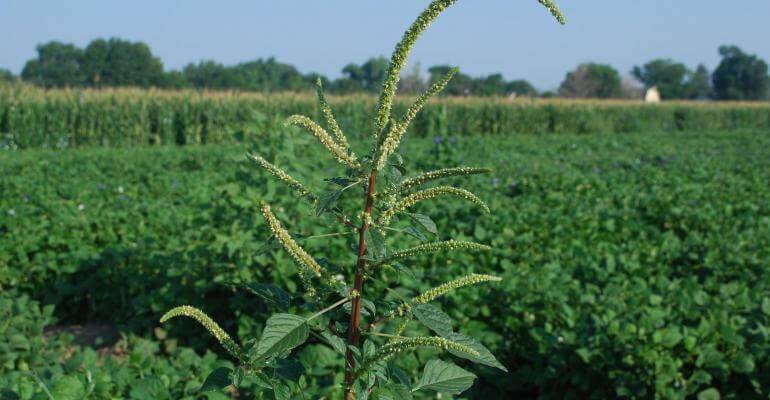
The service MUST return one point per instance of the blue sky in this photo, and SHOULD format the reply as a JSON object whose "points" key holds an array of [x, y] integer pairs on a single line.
{"points": [[515, 37]]}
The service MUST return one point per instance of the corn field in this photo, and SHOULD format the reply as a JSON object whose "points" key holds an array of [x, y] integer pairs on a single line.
{"points": [[36, 118]]}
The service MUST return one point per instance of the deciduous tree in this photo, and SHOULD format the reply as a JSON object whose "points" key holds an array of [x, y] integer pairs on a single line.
{"points": [[740, 76]]}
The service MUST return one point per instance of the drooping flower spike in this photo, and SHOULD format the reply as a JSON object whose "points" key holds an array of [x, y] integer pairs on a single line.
{"points": [[397, 129], [284, 177], [331, 122], [404, 47], [308, 266], [214, 329], [399, 58], [448, 245], [339, 152], [395, 347], [428, 194], [439, 174], [441, 290]]}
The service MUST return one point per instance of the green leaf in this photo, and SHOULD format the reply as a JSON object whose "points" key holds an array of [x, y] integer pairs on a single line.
{"points": [[485, 357], [669, 337], [341, 181], [425, 221], [709, 394], [337, 343], [290, 370], [68, 388], [392, 392], [401, 376], [281, 391], [433, 318], [18, 341], [412, 231], [8, 394], [270, 293], [375, 244], [743, 363], [150, 388], [282, 333], [766, 305], [445, 377], [327, 201], [262, 380], [218, 379]]}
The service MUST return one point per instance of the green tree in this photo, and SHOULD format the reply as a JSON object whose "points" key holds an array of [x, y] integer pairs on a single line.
{"points": [[269, 75], [209, 74], [669, 76], [699, 84], [740, 76], [6, 75], [173, 80], [460, 85], [259, 75], [521, 88], [367, 77], [56, 65], [490, 85], [118, 62], [591, 80], [95, 62]]}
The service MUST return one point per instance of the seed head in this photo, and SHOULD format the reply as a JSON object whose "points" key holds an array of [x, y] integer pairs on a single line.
{"points": [[339, 152], [191, 312]]}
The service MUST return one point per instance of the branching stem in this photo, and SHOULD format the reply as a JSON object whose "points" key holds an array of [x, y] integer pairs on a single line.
{"points": [[327, 309], [354, 333]]}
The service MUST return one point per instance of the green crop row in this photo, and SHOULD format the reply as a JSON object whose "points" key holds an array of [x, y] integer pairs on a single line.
{"points": [[633, 265], [31, 118]]}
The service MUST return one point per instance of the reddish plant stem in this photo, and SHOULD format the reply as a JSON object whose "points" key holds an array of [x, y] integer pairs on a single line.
{"points": [[354, 333]]}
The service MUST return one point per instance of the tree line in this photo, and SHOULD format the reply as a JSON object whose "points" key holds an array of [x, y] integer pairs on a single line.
{"points": [[117, 62]]}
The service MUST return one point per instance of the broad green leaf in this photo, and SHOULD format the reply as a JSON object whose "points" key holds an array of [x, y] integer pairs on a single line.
{"points": [[485, 357], [392, 392], [327, 201], [218, 379], [369, 306], [445, 377], [281, 391], [412, 231], [362, 389], [270, 293], [282, 333], [341, 181], [668, 337], [425, 221], [709, 394], [290, 369], [150, 388], [8, 394], [401, 376], [68, 388], [337, 343], [375, 244], [262, 380], [743, 363], [433, 318]]}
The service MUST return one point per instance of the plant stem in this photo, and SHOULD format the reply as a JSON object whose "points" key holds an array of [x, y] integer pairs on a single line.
{"points": [[327, 309], [386, 335], [327, 235], [354, 334]]}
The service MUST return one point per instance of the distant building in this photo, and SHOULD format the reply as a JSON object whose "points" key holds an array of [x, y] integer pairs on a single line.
{"points": [[652, 95]]}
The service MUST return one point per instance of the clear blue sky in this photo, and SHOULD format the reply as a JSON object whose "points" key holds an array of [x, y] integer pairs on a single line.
{"points": [[515, 37]]}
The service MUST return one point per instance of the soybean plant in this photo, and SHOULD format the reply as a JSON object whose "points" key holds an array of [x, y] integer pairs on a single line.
{"points": [[341, 302]]}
